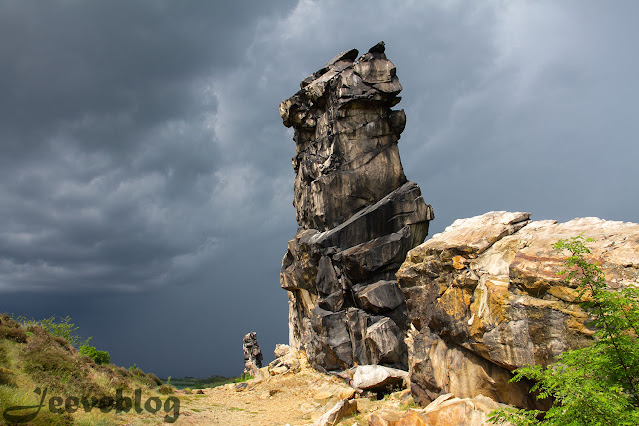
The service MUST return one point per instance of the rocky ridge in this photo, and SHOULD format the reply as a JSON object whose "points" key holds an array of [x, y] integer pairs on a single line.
{"points": [[357, 213]]}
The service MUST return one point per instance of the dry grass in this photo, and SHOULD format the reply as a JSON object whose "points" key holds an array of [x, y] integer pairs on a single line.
{"points": [[31, 358]]}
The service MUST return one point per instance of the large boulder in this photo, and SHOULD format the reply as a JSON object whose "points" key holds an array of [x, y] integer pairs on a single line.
{"points": [[377, 377], [486, 297], [357, 213]]}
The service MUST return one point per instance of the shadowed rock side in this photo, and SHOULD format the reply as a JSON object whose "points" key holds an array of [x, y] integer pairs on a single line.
{"points": [[357, 214], [485, 297]]}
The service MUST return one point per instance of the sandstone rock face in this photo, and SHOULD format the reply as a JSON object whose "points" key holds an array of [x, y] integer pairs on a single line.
{"points": [[486, 297], [252, 354], [357, 214], [446, 410]]}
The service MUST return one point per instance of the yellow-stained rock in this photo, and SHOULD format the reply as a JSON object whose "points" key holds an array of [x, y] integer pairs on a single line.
{"points": [[446, 411], [486, 297]]}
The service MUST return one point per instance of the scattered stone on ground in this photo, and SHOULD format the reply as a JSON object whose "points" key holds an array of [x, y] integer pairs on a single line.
{"points": [[298, 398]]}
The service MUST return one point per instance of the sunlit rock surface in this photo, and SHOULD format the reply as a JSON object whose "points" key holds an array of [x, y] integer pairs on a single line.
{"points": [[485, 297]]}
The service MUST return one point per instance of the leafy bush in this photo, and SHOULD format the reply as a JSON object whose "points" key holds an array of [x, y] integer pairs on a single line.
{"points": [[99, 357], [61, 327], [599, 384]]}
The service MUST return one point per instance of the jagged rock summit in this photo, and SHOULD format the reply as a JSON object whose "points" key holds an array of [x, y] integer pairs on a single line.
{"points": [[357, 213]]}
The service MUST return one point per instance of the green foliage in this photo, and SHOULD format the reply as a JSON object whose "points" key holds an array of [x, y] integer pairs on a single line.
{"points": [[599, 384], [99, 357], [59, 327], [243, 378]]}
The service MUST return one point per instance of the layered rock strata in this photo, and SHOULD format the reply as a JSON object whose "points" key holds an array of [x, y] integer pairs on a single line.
{"points": [[486, 297], [357, 213]]}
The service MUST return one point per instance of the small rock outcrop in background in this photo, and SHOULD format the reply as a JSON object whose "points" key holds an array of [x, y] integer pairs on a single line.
{"points": [[285, 360], [357, 213], [485, 297], [252, 354]]}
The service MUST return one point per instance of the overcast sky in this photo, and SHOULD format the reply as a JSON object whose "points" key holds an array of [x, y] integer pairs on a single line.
{"points": [[146, 175]]}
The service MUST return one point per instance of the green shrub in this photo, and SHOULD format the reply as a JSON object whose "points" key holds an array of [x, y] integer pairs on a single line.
{"points": [[60, 327], [99, 357]]}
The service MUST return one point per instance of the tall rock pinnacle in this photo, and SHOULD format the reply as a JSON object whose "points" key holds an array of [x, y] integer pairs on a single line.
{"points": [[357, 214]]}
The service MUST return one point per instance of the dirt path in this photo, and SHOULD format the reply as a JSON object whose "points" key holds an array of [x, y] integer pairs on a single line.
{"points": [[294, 399], [273, 401]]}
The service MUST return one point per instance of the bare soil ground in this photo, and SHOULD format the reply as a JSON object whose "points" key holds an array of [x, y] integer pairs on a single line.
{"points": [[287, 399]]}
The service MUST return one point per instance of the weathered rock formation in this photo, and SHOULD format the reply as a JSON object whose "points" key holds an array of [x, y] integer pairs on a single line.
{"points": [[357, 214], [252, 354], [485, 297]]}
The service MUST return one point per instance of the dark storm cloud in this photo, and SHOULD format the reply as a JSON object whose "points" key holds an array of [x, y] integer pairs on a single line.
{"points": [[109, 160]]}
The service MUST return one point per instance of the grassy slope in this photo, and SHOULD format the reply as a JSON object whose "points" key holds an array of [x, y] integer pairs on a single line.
{"points": [[32, 358]]}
